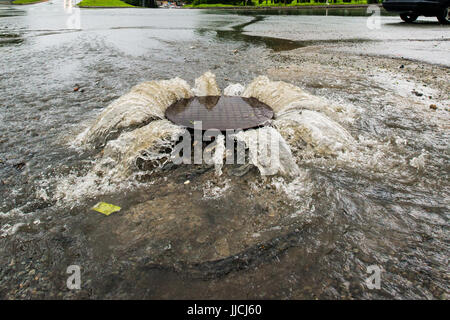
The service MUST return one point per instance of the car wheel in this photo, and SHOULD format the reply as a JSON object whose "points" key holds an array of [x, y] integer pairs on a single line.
{"points": [[444, 16], [409, 17]]}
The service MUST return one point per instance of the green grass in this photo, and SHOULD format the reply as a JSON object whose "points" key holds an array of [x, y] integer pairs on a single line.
{"points": [[104, 3], [26, 1]]}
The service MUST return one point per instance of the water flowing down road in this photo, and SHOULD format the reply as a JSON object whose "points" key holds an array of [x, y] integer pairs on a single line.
{"points": [[363, 119]]}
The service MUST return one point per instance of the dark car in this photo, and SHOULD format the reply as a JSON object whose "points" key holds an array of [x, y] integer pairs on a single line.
{"points": [[409, 10]]}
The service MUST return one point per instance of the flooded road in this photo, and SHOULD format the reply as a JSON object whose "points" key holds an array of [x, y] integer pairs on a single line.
{"points": [[373, 158]]}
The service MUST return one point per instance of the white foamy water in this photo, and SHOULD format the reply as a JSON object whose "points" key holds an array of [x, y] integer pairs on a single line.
{"points": [[145, 102], [206, 85], [151, 143], [73, 188], [284, 97], [234, 90], [324, 135], [298, 189], [213, 190], [116, 168], [419, 161], [301, 119], [219, 154], [268, 151], [281, 96], [144, 139], [314, 130]]}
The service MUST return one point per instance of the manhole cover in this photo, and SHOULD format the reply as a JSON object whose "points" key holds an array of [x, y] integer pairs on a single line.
{"points": [[219, 112]]}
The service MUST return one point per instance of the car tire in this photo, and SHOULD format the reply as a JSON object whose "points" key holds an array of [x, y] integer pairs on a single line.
{"points": [[444, 16], [407, 17]]}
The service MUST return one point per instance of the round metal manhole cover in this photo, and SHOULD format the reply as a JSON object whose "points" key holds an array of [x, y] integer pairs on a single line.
{"points": [[219, 112]]}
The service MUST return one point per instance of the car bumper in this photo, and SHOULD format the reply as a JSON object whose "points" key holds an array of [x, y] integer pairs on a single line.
{"points": [[424, 7]]}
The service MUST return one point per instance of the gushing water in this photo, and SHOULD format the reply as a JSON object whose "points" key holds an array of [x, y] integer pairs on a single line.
{"points": [[316, 130], [269, 152], [144, 103], [206, 85], [129, 148], [137, 139], [150, 145]]}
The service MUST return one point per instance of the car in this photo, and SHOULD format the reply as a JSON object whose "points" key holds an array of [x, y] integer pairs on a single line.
{"points": [[409, 10]]}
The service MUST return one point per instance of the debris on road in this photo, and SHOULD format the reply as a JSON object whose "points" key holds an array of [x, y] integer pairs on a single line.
{"points": [[105, 208]]}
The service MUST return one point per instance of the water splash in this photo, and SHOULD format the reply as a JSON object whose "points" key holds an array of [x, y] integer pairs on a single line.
{"points": [[138, 139], [121, 161], [75, 188], [325, 136], [234, 90], [284, 97], [219, 154], [298, 121], [215, 190], [419, 161], [281, 96], [264, 141], [145, 148], [206, 85], [144, 103]]}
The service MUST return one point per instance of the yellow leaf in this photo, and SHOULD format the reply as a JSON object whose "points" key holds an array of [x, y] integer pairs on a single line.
{"points": [[105, 208]]}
